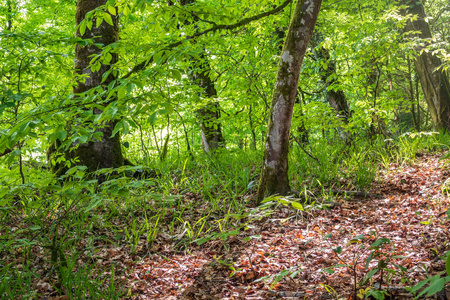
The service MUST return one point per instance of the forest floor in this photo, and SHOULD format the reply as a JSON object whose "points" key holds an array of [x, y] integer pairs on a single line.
{"points": [[288, 254], [410, 211]]}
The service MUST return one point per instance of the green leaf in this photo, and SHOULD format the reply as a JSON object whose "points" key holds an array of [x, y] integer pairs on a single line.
{"points": [[61, 135], [118, 126], [112, 10], [297, 205], [108, 19], [175, 74], [202, 241], [83, 139], [124, 192], [370, 274], [98, 22], [436, 285], [121, 92], [338, 250], [83, 28], [447, 264], [152, 118], [419, 285], [377, 294], [380, 242]]}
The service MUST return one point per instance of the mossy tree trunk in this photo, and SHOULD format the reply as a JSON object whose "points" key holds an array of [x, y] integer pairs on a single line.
{"points": [[106, 153], [435, 82], [274, 175], [209, 115]]}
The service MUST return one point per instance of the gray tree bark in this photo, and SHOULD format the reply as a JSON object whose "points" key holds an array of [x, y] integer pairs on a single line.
{"points": [[106, 153], [274, 175], [435, 83]]}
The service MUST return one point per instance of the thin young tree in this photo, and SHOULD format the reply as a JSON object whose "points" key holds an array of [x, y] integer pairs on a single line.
{"points": [[274, 175]]}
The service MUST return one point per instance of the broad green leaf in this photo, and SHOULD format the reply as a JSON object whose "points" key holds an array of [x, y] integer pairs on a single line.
{"points": [[98, 21], [297, 205], [108, 19], [83, 28], [121, 92], [112, 10], [175, 74], [83, 139], [61, 135]]}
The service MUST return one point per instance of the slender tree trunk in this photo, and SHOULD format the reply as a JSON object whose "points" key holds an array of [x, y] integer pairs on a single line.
{"points": [[336, 97], [209, 115], [435, 83], [412, 96], [106, 153], [274, 175], [252, 128]]}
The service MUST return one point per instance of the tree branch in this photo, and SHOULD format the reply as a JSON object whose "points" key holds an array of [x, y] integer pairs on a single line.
{"points": [[143, 65]]}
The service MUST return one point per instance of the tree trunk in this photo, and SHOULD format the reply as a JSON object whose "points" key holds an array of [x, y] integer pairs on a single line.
{"points": [[336, 97], [106, 153], [274, 175], [209, 115], [435, 83], [9, 15]]}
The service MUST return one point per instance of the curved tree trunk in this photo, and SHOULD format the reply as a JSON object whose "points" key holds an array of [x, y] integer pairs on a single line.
{"points": [[435, 83], [106, 153], [274, 175]]}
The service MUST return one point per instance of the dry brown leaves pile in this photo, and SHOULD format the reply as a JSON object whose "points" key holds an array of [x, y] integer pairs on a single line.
{"points": [[411, 213]]}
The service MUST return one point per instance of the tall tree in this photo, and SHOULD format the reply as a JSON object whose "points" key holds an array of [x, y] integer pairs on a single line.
{"points": [[200, 69], [107, 152], [435, 83], [274, 175]]}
